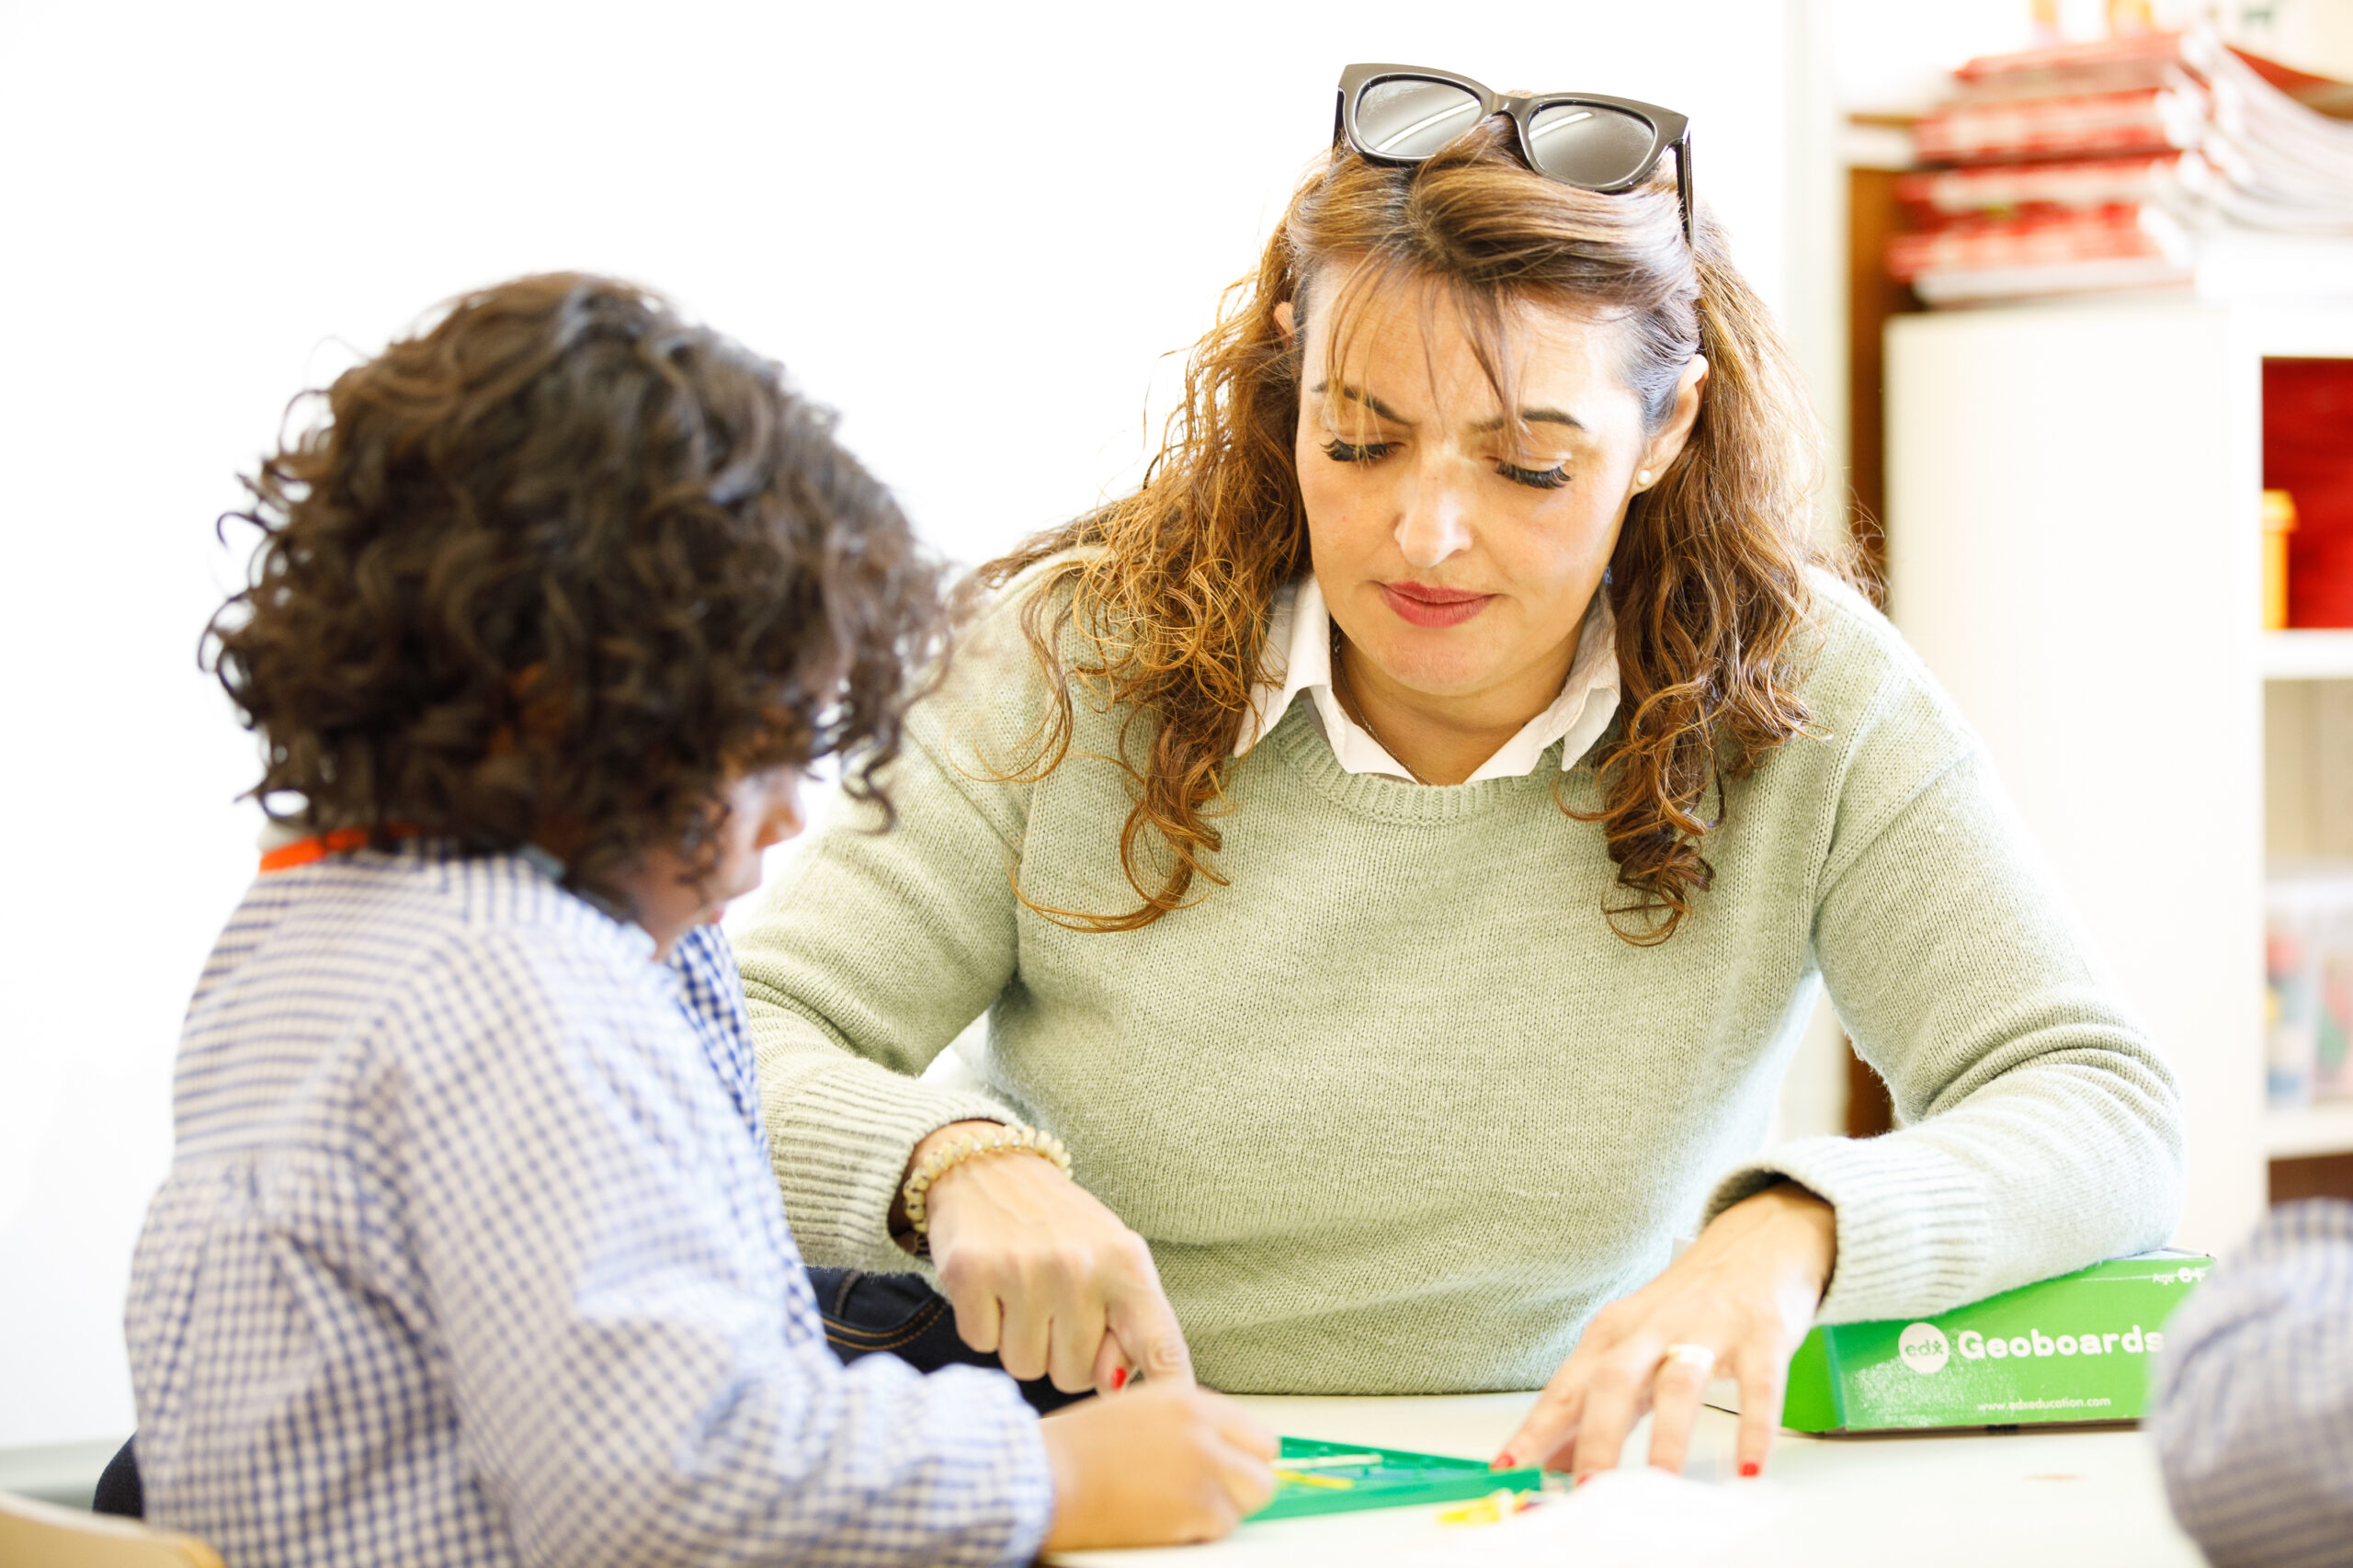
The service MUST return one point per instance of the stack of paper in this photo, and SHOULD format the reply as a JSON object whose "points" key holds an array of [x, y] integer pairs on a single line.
{"points": [[2155, 161]]}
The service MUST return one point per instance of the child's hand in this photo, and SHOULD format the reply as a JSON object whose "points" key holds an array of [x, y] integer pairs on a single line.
{"points": [[1162, 1464]]}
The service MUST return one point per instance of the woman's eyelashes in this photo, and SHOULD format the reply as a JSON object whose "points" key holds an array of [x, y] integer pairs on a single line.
{"points": [[1535, 478], [1341, 451]]}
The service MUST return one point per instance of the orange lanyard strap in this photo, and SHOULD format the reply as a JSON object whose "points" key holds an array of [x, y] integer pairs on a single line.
{"points": [[319, 845]]}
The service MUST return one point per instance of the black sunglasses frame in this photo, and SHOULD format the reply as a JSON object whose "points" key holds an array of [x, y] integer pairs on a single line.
{"points": [[1669, 130]]}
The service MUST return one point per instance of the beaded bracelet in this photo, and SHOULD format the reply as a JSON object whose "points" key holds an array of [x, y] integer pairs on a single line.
{"points": [[1014, 1139]]}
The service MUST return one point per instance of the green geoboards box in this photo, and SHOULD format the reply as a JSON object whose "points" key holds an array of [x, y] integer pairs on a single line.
{"points": [[1380, 1478], [2078, 1347]]}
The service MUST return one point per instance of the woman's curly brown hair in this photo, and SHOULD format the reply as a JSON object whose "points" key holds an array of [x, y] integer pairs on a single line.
{"points": [[1168, 591], [554, 569]]}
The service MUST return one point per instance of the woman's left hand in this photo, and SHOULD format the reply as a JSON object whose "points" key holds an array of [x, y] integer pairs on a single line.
{"points": [[1745, 1291]]}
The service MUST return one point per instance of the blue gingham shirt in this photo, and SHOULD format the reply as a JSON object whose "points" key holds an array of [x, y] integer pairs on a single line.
{"points": [[2253, 1413], [470, 1253]]}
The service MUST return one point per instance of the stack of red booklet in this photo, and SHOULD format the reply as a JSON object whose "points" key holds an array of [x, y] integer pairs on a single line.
{"points": [[2148, 161]]}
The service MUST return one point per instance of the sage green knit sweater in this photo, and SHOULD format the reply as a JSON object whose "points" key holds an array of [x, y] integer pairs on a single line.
{"points": [[1394, 1108]]}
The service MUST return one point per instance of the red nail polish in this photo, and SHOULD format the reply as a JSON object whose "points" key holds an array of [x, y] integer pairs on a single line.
{"points": [[1119, 1379], [1750, 1470], [1504, 1462]]}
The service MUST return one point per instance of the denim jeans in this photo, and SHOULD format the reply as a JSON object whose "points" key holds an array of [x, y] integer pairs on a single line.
{"points": [[870, 1313]]}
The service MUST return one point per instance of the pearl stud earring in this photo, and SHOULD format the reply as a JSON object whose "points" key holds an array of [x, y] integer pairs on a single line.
{"points": [[1641, 476]]}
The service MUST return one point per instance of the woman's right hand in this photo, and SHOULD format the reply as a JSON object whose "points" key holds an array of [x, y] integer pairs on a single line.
{"points": [[1042, 1274], [1166, 1464]]}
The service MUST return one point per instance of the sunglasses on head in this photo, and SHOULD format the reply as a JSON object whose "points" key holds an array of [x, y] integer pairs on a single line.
{"points": [[1402, 114]]}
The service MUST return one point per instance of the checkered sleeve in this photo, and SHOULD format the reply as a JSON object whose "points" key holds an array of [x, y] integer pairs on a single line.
{"points": [[710, 993], [2253, 1413], [633, 1384]]}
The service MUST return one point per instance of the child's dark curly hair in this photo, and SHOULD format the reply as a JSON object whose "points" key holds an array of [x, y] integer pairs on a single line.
{"points": [[556, 568]]}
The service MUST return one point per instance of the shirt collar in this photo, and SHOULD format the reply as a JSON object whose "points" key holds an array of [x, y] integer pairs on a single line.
{"points": [[277, 833], [1299, 659]]}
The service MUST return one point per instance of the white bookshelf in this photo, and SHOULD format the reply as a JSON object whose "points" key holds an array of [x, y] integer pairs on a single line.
{"points": [[2308, 655], [2074, 547], [2325, 1128]]}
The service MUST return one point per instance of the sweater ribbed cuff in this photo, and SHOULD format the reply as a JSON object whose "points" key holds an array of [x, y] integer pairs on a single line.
{"points": [[1912, 1226], [840, 1137]]}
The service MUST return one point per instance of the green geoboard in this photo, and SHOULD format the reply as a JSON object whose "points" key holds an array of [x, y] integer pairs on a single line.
{"points": [[1381, 1478]]}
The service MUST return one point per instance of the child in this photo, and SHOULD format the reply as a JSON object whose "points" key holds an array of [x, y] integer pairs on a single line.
{"points": [[470, 1252], [2252, 1408]]}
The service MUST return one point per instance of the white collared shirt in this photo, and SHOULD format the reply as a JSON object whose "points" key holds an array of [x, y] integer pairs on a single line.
{"points": [[1299, 658]]}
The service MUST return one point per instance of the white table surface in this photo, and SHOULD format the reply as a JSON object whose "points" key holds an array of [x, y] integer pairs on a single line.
{"points": [[2081, 1497]]}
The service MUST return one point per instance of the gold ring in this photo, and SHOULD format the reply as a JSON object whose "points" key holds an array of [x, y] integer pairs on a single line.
{"points": [[1688, 1355]]}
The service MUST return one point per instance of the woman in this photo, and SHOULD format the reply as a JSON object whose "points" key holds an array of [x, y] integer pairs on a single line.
{"points": [[1398, 847]]}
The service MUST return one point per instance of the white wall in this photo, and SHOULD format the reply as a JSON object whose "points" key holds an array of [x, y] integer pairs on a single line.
{"points": [[1887, 56], [973, 228], [1896, 56]]}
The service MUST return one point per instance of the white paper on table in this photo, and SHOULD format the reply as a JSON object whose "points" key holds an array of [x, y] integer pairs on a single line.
{"points": [[1622, 1518]]}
